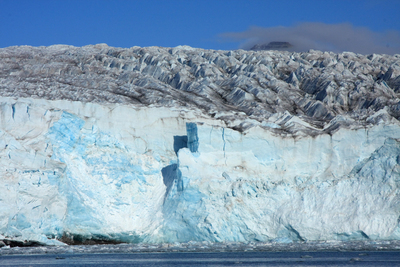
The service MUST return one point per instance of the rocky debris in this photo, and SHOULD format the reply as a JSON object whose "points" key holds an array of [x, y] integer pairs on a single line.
{"points": [[71, 239], [256, 86], [18, 243]]}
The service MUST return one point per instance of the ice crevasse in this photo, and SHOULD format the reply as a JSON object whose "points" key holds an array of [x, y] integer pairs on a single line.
{"points": [[74, 171]]}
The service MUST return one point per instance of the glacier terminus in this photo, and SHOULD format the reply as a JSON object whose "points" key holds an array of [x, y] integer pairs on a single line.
{"points": [[163, 145]]}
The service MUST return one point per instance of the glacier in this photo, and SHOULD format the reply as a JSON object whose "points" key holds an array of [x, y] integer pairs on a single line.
{"points": [[163, 145]]}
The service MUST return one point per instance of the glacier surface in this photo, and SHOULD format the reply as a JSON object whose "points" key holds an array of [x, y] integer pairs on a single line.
{"points": [[186, 144]]}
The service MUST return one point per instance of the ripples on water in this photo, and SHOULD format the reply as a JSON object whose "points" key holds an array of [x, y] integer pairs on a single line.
{"points": [[208, 247]]}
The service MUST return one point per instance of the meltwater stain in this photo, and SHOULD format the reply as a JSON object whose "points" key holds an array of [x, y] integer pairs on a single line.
{"points": [[180, 141], [171, 173], [192, 137]]}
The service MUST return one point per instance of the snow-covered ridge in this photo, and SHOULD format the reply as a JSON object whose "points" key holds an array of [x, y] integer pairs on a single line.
{"points": [[243, 88], [180, 144]]}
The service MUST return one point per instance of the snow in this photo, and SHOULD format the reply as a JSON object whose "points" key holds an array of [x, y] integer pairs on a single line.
{"points": [[213, 151]]}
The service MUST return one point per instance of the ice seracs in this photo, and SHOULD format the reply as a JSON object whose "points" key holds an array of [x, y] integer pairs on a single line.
{"points": [[182, 144]]}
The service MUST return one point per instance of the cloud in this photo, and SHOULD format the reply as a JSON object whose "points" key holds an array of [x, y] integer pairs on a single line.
{"points": [[321, 36]]}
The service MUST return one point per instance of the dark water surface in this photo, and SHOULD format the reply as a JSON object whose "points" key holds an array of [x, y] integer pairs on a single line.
{"points": [[326, 258]]}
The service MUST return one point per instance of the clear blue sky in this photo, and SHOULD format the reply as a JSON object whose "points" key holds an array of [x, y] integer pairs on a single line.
{"points": [[170, 23]]}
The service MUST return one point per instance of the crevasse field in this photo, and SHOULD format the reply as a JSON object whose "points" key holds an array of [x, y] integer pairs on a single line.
{"points": [[163, 145]]}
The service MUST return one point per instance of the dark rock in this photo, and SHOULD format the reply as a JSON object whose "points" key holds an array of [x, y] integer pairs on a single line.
{"points": [[17, 243], [272, 46]]}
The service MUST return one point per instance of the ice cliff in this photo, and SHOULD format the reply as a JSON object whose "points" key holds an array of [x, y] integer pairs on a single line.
{"points": [[181, 144]]}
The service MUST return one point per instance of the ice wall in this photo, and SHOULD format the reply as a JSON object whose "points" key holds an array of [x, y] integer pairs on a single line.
{"points": [[69, 168], [339, 187], [115, 172]]}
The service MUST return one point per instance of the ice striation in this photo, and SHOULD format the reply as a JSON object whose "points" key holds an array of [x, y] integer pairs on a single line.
{"points": [[163, 145]]}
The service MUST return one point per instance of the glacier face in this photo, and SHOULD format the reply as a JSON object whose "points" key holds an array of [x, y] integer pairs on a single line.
{"points": [[183, 144], [84, 169], [161, 175]]}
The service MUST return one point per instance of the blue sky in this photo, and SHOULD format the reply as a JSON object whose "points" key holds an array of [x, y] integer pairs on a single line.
{"points": [[217, 24]]}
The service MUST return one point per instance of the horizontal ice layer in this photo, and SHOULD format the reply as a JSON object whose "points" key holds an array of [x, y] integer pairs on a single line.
{"points": [[72, 169]]}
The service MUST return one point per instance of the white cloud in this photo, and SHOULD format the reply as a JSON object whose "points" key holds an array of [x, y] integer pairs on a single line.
{"points": [[321, 36]]}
